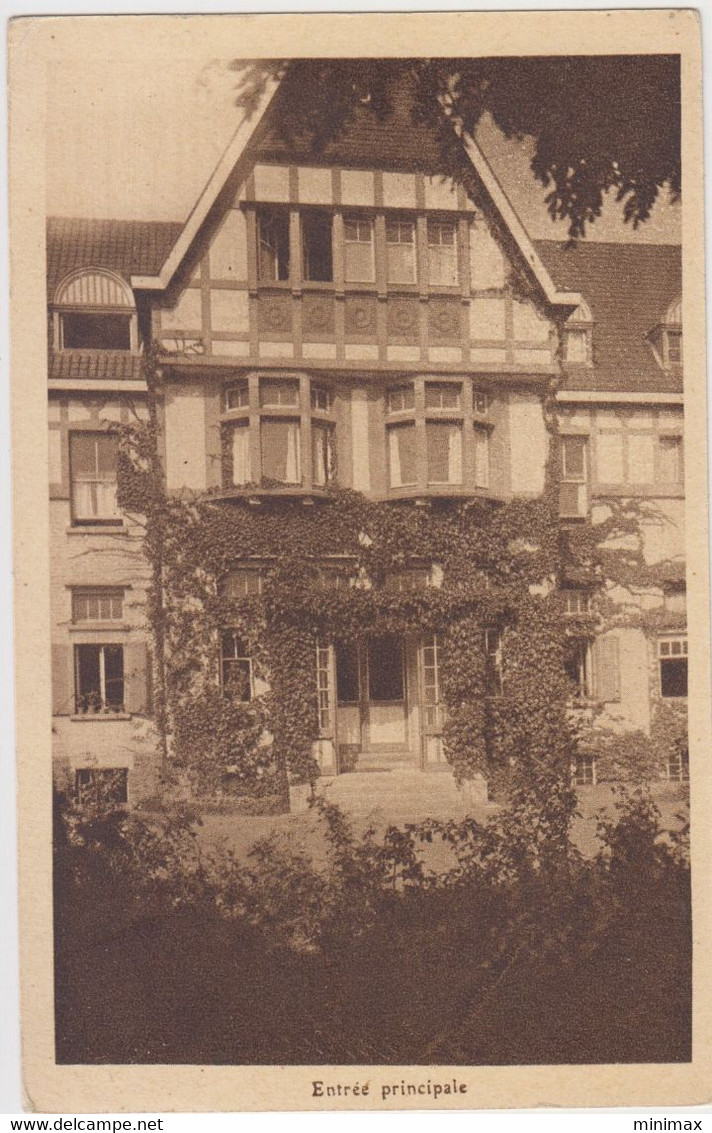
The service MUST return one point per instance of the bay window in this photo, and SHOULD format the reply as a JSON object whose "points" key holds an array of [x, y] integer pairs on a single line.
{"points": [[278, 431], [437, 435]]}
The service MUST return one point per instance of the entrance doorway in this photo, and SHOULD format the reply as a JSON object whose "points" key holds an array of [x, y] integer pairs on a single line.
{"points": [[372, 697]]}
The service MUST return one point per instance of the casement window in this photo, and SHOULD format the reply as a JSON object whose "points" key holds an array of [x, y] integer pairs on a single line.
{"points": [[493, 661], [573, 483], [97, 604], [411, 578], [244, 582], [672, 661], [317, 254], [280, 441], [432, 693], [359, 260], [442, 253], [577, 345], [325, 689], [279, 431], [578, 666], [584, 771], [102, 785], [99, 679], [674, 347], [235, 668], [95, 331], [443, 441], [400, 250], [576, 601], [638, 447], [92, 461], [272, 244], [678, 764], [237, 395], [402, 456], [323, 453], [434, 438]]}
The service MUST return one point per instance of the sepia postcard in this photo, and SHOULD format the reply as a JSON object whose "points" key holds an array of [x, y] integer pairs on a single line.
{"points": [[361, 559]]}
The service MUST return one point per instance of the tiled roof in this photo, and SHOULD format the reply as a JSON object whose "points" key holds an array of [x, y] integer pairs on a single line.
{"points": [[102, 365], [628, 288], [128, 247]]}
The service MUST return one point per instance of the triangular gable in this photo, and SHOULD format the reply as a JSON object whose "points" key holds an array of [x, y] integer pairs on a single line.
{"points": [[249, 131]]}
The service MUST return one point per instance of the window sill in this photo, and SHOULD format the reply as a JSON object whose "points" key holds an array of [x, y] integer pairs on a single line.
{"points": [[638, 491], [100, 717], [99, 627], [295, 491], [97, 529]]}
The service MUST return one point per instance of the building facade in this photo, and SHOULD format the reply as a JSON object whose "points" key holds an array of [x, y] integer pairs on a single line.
{"points": [[358, 320]]}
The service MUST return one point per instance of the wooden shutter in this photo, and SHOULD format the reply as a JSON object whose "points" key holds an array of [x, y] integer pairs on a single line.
{"points": [[136, 677], [607, 669], [62, 680]]}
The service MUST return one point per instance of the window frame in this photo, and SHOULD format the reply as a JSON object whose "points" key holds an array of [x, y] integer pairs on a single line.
{"points": [[110, 593], [238, 659], [358, 219], [99, 520], [672, 657], [101, 706], [581, 480], [398, 221], [282, 268], [439, 222]]}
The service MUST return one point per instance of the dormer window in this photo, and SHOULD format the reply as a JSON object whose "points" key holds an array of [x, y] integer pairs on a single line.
{"points": [[578, 337], [94, 310], [666, 338]]}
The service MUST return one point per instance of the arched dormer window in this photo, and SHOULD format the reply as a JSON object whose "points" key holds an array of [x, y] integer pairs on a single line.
{"points": [[578, 336], [94, 309], [666, 337]]}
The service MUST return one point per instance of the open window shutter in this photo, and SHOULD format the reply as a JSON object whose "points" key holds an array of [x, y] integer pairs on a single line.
{"points": [[136, 677], [62, 684], [608, 681]]}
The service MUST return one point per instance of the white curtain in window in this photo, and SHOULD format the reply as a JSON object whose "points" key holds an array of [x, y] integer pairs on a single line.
{"points": [[95, 499], [401, 446], [455, 454], [481, 458], [444, 445], [280, 451], [321, 454], [241, 455]]}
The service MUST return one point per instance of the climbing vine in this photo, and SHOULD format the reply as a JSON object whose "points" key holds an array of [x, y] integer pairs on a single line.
{"points": [[499, 567]]}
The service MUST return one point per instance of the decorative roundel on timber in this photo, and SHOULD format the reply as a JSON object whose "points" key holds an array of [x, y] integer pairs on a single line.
{"points": [[318, 316], [403, 318], [274, 314], [444, 321], [360, 317]]}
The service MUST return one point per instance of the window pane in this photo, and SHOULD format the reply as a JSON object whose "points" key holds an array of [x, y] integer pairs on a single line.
{"points": [[440, 396], [96, 332], [401, 262], [273, 245], [93, 472], [237, 396], [444, 446], [576, 346], [347, 678], [107, 448], [278, 392], [640, 458], [241, 455], [400, 398], [316, 244], [481, 458], [322, 453], [385, 669], [442, 254], [670, 459], [281, 459], [573, 458], [88, 690], [321, 397], [401, 451], [83, 454], [610, 458], [114, 675], [673, 677], [359, 261]]}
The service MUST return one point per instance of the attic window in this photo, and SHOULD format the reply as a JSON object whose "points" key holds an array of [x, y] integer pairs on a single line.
{"points": [[94, 310], [578, 336], [674, 347]]}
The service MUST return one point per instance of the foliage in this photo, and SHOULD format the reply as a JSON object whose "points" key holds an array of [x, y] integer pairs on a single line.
{"points": [[363, 955], [599, 123]]}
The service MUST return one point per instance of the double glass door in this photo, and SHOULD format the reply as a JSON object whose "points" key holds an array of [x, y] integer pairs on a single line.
{"points": [[371, 694]]}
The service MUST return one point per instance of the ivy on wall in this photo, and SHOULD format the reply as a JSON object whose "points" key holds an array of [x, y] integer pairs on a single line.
{"points": [[500, 566]]}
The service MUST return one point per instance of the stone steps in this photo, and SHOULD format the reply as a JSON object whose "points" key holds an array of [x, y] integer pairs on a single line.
{"points": [[399, 793]]}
